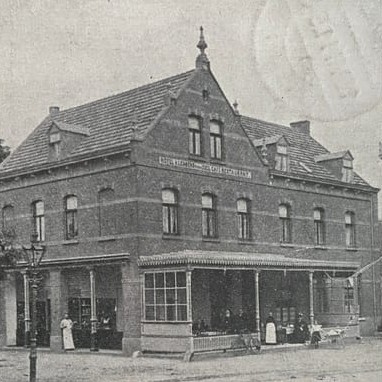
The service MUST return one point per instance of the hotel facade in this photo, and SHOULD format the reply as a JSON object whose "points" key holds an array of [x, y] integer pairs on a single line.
{"points": [[162, 207]]}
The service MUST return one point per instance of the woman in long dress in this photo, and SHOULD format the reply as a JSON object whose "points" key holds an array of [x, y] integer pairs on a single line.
{"points": [[67, 336], [270, 330]]}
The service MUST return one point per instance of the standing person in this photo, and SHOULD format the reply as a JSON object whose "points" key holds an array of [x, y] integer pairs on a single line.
{"points": [[242, 322], [67, 336], [301, 331], [228, 321], [270, 330]]}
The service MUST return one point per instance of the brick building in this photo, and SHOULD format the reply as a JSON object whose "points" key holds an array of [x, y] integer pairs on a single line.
{"points": [[162, 206]]}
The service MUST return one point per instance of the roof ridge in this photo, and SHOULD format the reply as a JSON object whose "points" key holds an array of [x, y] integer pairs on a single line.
{"points": [[141, 87], [266, 122]]}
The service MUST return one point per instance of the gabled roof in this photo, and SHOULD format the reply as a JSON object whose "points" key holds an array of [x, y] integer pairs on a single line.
{"points": [[332, 156], [71, 128], [303, 149], [109, 120]]}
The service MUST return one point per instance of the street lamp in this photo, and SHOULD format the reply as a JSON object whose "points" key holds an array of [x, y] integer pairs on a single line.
{"points": [[33, 256]]}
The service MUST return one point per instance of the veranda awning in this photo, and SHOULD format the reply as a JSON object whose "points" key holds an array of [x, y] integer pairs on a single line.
{"points": [[205, 259]]}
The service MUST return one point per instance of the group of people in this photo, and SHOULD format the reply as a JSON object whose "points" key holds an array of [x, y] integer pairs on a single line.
{"points": [[301, 332], [67, 325]]}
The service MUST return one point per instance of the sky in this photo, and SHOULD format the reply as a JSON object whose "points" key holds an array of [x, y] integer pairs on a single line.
{"points": [[283, 60]]}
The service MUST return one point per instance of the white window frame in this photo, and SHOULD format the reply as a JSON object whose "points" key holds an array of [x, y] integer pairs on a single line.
{"points": [[170, 211], [39, 220], [167, 302], [195, 135], [216, 140], [243, 219]]}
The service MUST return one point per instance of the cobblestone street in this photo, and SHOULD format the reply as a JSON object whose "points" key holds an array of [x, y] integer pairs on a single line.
{"points": [[355, 362]]}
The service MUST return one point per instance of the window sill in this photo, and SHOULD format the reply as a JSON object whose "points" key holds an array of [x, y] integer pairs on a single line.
{"points": [[322, 247], [245, 242], [287, 245], [211, 239], [169, 236], [352, 249], [196, 157], [70, 241], [217, 161], [107, 238]]}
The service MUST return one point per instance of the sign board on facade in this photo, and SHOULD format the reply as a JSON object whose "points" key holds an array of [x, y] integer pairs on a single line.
{"points": [[205, 167]]}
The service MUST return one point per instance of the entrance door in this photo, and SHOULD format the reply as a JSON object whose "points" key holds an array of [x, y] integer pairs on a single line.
{"points": [[42, 324]]}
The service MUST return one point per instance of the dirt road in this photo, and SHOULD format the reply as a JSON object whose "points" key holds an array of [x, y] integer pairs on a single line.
{"points": [[356, 362]]}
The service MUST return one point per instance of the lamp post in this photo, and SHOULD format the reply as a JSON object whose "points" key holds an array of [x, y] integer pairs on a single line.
{"points": [[33, 256]]}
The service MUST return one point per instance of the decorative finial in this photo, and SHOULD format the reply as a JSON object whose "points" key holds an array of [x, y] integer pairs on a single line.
{"points": [[202, 60], [235, 107], [202, 45]]}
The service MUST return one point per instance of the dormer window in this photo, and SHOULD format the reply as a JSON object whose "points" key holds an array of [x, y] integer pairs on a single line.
{"points": [[54, 137], [54, 140], [281, 158], [347, 170]]}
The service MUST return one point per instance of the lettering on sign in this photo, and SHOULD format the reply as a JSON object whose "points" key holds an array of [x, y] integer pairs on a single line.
{"points": [[205, 167]]}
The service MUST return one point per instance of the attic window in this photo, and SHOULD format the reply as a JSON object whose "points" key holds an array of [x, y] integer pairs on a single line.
{"points": [[54, 138], [281, 158], [347, 170]]}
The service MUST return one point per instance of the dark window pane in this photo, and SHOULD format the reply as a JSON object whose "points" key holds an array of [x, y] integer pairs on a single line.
{"points": [[181, 279], [182, 296], [150, 313], [159, 296], [159, 280], [182, 313], [149, 280], [171, 313], [170, 279], [149, 296], [160, 312], [170, 296]]}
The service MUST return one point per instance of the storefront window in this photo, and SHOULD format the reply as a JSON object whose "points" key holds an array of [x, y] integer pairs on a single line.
{"points": [[165, 296]]}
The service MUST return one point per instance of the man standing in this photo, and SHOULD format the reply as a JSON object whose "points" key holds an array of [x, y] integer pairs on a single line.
{"points": [[67, 336], [301, 331]]}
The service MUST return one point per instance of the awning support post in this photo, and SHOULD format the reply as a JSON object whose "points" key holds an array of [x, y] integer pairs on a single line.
{"points": [[257, 302], [311, 306]]}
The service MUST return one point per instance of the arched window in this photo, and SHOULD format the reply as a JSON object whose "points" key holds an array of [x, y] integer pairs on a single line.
{"points": [[71, 225], [38, 220], [194, 132], [286, 223], [7, 217], [319, 226], [170, 211], [243, 219], [107, 212], [215, 140], [350, 229], [209, 218]]}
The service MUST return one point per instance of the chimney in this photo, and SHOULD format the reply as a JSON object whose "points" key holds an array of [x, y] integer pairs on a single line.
{"points": [[54, 110], [301, 126]]}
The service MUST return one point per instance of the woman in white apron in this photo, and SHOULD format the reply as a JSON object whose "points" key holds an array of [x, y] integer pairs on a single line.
{"points": [[67, 336], [270, 330]]}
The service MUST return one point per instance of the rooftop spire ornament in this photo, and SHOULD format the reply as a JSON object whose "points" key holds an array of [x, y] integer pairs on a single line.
{"points": [[236, 107], [202, 60]]}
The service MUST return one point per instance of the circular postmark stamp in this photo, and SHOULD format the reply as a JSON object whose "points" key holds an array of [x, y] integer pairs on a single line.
{"points": [[321, 58]]}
